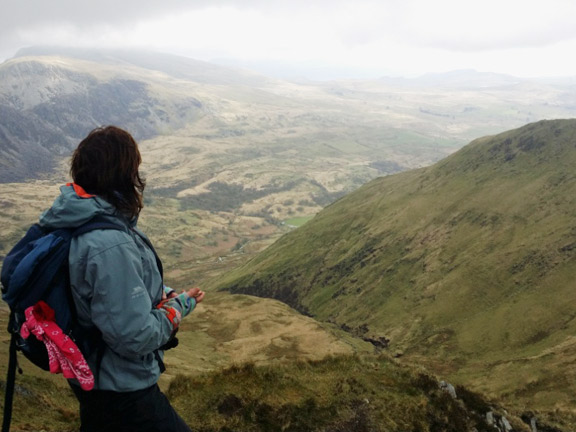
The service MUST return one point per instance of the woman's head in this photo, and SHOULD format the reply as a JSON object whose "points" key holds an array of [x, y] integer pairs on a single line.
{"points": [[105, 163]]}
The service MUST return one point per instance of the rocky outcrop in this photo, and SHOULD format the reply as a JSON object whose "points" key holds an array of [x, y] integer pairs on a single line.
{"points": [[498, 422], [493, 420], [448, 388]]}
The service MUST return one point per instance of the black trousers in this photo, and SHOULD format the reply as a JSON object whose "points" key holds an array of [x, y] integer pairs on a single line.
{"points": [[145, 410]]}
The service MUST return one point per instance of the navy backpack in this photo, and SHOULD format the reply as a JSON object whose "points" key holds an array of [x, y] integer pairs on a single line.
{"points": [[37, 269]]}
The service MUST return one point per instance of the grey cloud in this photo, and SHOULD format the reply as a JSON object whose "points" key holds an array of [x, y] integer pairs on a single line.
{"points": [[21, 17], [18, 14], [31, 13]]}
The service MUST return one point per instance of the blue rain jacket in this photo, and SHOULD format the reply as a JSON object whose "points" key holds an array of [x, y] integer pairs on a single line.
{"points": [[116, 285]]}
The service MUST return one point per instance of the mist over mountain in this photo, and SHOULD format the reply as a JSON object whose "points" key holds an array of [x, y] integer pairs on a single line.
{"points": [[466, 266]]}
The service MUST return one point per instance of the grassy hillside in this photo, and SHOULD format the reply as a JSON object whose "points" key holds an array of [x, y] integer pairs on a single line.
{"points": [[467, 266]]}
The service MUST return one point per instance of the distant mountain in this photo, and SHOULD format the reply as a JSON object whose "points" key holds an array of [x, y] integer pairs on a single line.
{"points": [[47, 104], [467, 266]]}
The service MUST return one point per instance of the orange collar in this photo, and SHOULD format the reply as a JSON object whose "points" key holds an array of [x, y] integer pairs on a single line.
{"points": [[80, 191]]}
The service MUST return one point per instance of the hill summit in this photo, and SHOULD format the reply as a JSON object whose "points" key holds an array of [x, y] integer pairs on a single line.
{"points": [[466, 266]]}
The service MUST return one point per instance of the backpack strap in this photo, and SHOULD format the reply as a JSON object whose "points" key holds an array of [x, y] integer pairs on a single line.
{"points": [[96, 223]]}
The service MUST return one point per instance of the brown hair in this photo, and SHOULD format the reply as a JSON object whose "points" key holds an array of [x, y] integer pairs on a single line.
{"points": [[105, 163]]}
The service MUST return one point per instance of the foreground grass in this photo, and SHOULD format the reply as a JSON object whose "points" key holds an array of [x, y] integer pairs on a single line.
{"points": [[343, 393], [336, 394]]}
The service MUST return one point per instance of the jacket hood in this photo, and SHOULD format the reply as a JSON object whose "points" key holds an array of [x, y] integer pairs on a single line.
{"points": [[75, 207]]}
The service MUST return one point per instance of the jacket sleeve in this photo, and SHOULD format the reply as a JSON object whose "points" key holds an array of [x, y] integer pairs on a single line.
{"points": [[121, 305]]}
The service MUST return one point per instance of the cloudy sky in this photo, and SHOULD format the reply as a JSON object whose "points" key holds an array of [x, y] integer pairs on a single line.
{"points": [[331, 37]]}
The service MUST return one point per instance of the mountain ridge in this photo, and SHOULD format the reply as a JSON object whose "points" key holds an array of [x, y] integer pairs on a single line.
{"points": [[48, 105], [173, 65]]}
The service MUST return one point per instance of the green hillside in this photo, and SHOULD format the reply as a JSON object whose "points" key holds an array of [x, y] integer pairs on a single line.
{"points": [[466, 266]]}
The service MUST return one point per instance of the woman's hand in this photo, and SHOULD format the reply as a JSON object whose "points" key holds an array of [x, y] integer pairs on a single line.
{"points": [[196, 293]]}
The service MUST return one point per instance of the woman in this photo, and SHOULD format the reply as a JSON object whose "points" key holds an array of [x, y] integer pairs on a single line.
{"points": [[117, 288]]}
